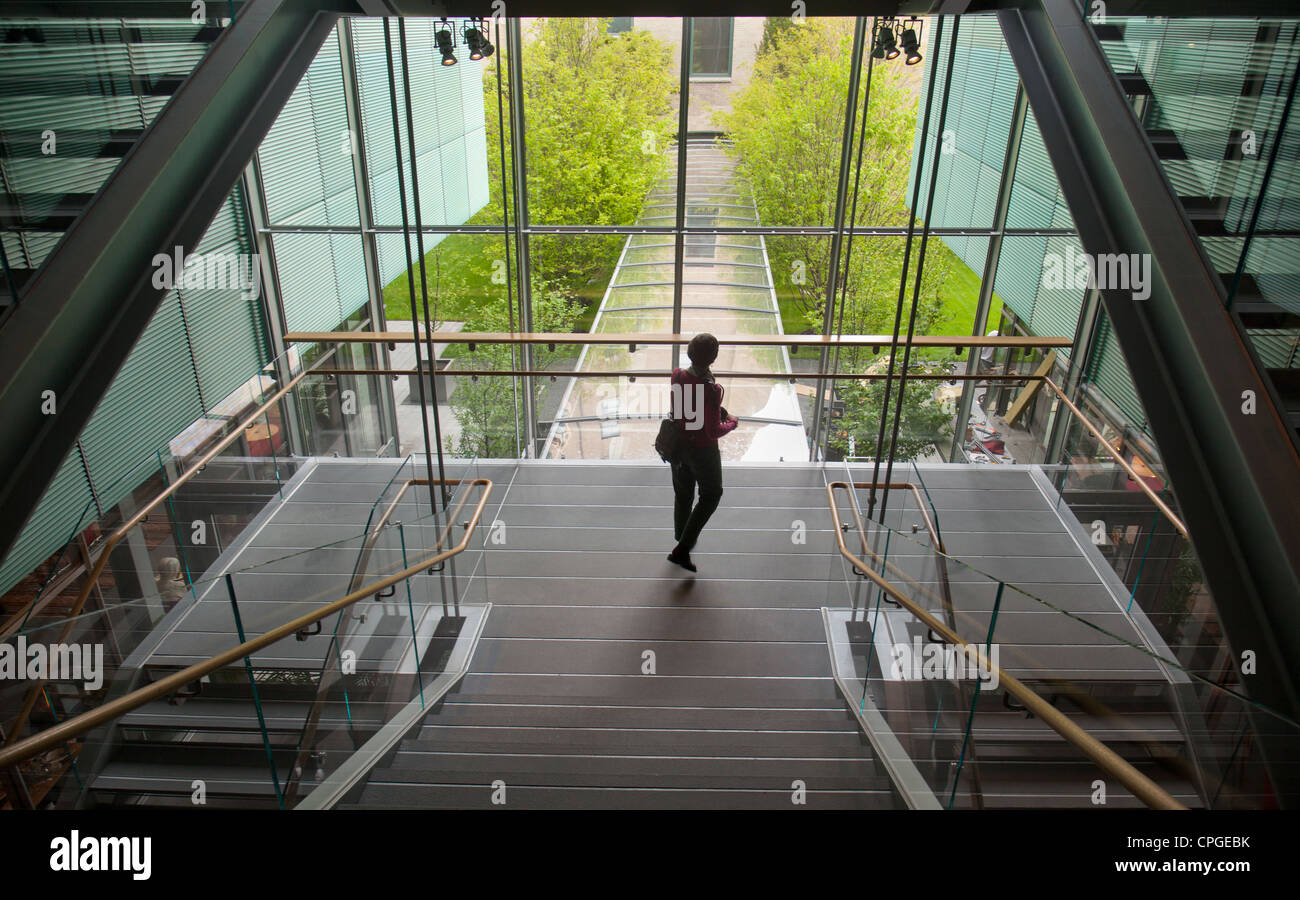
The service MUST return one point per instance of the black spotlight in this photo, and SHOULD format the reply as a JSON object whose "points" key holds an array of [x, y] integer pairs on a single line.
{"points": [[445, 47], [886, 47], [479, 46], [911, 45]]}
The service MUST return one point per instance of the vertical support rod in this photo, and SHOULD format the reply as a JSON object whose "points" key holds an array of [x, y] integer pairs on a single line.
{"points": [[410, 610], [410, 263], [683, 126], [902, 281], [920, 260], [505, 230], [837, 236], [984, 304], [975, 695], [519, 150], [424, 281], [252, 684], [387, 418], [853, 218], [1085, 339], [272, 306]]}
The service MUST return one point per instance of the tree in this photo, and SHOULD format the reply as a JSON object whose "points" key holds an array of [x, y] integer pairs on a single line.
{"points": [[925, 419], [787, 126], [486, 407], [599, 110]]}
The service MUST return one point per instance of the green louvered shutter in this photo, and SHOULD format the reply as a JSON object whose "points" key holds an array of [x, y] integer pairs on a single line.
{"points": [[62, 512], [1109, 373], [154, 396], [226, 326]]}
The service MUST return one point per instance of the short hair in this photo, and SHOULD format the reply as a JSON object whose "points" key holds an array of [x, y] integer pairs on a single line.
{"points": [[703, 349]]}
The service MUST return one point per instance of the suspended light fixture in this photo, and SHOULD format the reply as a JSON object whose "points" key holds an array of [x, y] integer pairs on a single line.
{"points": [[476, 40], [910, 43], [886, 47], [446, 44]]}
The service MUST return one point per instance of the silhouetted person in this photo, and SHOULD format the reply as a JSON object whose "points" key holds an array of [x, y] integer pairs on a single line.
{"points": [[697, 407]]}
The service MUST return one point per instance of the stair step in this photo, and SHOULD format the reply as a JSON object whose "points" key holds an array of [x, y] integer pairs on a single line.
{"points": [[628, 771], [399, 796], [625, 741]]}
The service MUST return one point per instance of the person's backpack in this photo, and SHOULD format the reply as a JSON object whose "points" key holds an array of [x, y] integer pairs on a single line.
{"points": [[669, 440]]}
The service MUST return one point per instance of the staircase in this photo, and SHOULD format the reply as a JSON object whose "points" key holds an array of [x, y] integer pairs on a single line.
{"points": [[75, 96], [741, 711], [1213, 109], [606, 678]]}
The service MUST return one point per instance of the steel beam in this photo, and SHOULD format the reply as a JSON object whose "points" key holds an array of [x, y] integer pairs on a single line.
{"points": [[1236, 475], [86, 308]]}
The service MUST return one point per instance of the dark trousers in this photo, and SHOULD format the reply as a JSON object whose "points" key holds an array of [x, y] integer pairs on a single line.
{"points": [[702, 466]]}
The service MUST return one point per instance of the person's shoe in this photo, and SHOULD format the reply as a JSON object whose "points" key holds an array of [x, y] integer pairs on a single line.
{"points": [[683, 560]]}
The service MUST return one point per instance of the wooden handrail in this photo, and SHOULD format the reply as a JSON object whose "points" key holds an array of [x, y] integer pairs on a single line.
{"points": [[70, 728], [1124, 464], [751, 340], [1107, 759], [92, 578]]}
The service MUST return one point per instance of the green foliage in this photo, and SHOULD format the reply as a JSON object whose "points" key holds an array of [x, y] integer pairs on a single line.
{"points": [[788, 127], [486, 408], [925, 420], [774, 29], [599, 116]]}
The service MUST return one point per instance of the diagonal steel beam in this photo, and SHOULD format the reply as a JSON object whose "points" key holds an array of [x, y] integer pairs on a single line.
{"points": [[93, 298], [1237, 476]]}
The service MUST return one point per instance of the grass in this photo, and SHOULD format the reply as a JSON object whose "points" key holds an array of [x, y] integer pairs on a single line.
{"points": [[463, 254], [960, 295]]}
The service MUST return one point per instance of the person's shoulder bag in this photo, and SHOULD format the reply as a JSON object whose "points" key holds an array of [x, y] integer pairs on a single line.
{"points": [[668, 442]]}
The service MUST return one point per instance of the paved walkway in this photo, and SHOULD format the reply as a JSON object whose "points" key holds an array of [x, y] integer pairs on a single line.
{"points": [[727, 289]]}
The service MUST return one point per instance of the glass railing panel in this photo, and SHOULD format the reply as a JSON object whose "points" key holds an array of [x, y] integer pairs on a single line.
{"points": [[68, 667], [1102, 663], [394, 655]]}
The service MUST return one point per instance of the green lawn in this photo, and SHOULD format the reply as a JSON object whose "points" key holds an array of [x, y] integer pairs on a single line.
{"points": [[463, 255], [960, 294]]}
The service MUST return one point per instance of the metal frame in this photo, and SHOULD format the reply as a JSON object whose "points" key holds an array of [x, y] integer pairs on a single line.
{"points": [[837, 233], [87, 306], [1237, 476], [881, 231], [519, 158], [369, 239], [683, 116]]}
